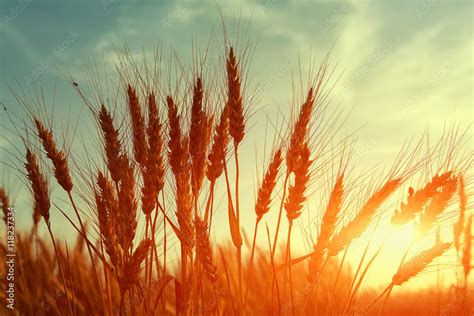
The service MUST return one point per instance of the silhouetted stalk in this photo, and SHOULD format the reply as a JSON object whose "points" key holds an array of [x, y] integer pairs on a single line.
{"points": [[60, 266]]}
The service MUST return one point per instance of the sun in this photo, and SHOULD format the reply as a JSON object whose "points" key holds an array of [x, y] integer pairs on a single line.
{"points": [[399, 237]]}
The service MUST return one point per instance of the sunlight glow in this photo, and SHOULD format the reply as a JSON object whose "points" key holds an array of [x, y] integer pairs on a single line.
{"points": [[399, 237]]}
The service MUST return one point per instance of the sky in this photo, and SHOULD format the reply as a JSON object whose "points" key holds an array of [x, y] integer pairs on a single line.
{"points": [[404, 66]]}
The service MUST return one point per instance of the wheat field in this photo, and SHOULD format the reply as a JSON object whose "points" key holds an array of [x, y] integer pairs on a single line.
{"points": [[140, 198]]}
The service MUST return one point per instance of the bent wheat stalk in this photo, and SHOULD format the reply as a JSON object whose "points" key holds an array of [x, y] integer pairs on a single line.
{"points": [[62, 175], [42, 204], [237, 132], [262, 206]]}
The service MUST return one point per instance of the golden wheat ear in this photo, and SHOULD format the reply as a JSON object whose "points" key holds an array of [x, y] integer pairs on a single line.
{"points": [[419, 263], [112, 144], [361, 221], [217, 153], [264, 196], [57, 157], [417, 200], [437, 205], [328, 227], [39, 185], [234, 101], [204, 250], [137, 123]]}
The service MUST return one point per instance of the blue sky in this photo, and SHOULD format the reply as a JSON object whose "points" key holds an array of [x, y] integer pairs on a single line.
{"points": [[405, 65]]}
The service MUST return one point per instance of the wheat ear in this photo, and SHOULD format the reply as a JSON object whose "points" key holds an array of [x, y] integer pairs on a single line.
{"points": [[138, 126], [112, 144], [357, 226], [58, 157], [416, 201], [418, 263], [436, 206], [204, 250], [328, 227]]}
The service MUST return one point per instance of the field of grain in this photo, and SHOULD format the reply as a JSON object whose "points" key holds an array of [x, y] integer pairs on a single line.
{"points": [[165, 159]]}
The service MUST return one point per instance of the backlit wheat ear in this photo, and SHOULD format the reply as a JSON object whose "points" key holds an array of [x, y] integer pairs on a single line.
{"points": [[264, 197], [184, 199], [42, 204], [215, 164], [459, 225], [138, 126], [418, 263], [300, 132], [154, 171], [175, 137], [112, 144], [155, 143], [107, 210], [198, 136], [204, 250], [436, 206], [132, 267], [39, 186], [234, 102], [179, 160], [417, 200], [357, 226], [296, 191], [58, 158], [5, 203], [127, 203], [328, 227], [467, 249]]}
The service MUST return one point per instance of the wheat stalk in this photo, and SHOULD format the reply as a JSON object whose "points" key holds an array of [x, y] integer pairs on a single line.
{"points": [[262, 206], [237, 132], [459, 225], [5, 203], [466, 253], [42, 204], [62, 175]]}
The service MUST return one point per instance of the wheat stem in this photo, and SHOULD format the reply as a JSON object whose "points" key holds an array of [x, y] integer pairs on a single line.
{"points": [[88, 247], [251, 261], [56, 251]]}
